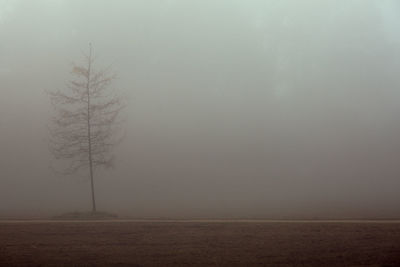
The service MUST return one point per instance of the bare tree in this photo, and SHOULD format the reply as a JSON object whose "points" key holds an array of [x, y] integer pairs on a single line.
{"points": [[83, 131]]}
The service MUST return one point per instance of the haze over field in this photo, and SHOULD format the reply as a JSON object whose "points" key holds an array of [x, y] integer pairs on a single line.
{"points": [[233, 108]]}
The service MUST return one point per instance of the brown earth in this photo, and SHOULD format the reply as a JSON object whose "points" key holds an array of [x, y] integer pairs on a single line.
{"points": [[199, 244]]}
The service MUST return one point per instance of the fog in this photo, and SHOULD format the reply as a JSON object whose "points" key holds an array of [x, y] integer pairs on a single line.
{"points": [[234, 109]]}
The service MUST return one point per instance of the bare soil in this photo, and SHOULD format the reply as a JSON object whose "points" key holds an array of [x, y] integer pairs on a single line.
{"points": [[199, 244]]}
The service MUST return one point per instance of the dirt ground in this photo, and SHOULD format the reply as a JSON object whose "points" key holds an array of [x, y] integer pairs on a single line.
{"points": [[199, 244]]}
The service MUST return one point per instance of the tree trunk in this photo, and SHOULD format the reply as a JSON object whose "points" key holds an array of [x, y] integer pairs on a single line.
{"points": [[89, 132]]}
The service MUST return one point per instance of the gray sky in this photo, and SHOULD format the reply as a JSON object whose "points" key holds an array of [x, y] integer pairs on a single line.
{"points": [[234, 108]]}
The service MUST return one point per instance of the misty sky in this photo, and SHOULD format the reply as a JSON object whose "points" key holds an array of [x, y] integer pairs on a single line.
{"points": [[234, 108]]}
